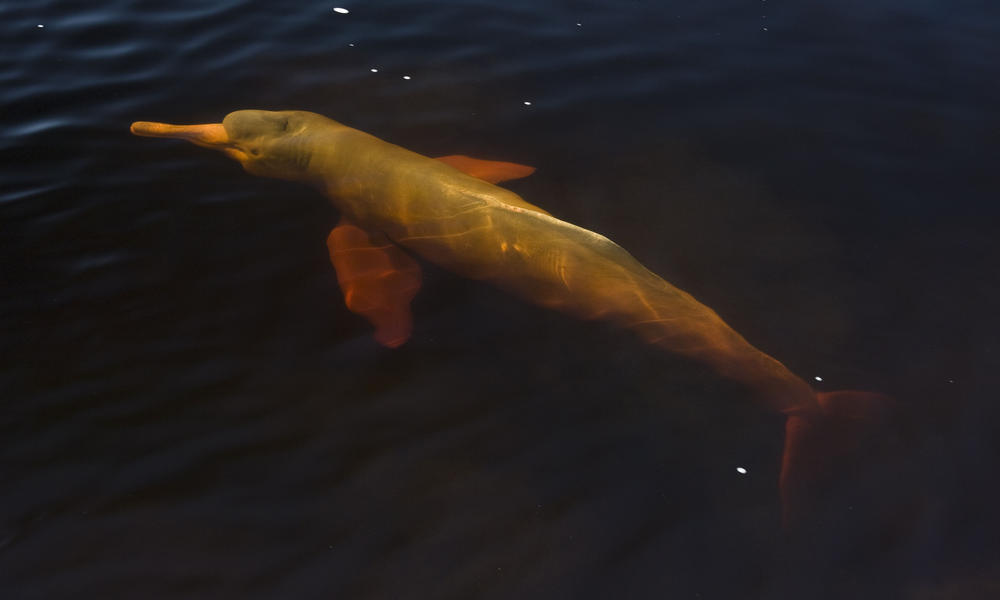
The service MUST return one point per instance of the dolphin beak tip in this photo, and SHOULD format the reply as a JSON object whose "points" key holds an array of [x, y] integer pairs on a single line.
{"points": [[144, 128]]}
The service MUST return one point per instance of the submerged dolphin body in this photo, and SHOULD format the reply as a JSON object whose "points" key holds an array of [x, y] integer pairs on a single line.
{"points": [[448, 212]]}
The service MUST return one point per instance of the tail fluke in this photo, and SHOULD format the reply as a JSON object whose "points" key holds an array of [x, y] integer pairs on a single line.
{"points": [[826, 445]]}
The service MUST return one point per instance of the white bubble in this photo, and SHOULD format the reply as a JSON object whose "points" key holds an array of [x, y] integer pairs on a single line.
{"points": [[741, 470], [374, 70], [526, 103], [406, 76], [40, 25], [818, 378], [342, 11]]}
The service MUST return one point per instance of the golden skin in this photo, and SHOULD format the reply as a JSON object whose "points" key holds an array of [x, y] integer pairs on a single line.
{"points": [[488, 233], [390, 196]]}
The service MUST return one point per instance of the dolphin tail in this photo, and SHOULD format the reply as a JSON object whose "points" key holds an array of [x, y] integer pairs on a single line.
{"points": [[822, 447]]}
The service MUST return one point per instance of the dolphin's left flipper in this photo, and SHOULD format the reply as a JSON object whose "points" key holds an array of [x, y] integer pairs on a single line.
{"points": [[378, 280]]}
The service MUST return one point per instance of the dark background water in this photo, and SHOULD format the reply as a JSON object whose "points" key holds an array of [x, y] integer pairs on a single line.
{"points": [[190, 412]]}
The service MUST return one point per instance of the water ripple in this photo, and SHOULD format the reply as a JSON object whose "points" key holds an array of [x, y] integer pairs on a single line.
{"points": [[183, 385]]}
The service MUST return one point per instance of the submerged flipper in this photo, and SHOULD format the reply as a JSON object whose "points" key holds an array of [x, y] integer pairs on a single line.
{"points": [[823, 445], [378, 280]]}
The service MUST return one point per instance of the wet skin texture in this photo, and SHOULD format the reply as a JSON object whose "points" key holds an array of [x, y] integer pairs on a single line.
{"points": [[448, 212]]}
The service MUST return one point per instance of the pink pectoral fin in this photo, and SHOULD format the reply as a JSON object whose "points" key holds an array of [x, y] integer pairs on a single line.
{"points": [[377, 278], [494, 171]]}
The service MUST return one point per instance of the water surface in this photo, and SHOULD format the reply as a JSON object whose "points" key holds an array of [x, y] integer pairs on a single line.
{"points": [[190, 411]]}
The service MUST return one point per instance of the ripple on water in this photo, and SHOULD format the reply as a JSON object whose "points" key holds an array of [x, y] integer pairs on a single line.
{"points": [[180, 346]]}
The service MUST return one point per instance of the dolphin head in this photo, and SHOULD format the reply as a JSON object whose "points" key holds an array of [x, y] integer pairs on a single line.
{"points": [[266, 143]]}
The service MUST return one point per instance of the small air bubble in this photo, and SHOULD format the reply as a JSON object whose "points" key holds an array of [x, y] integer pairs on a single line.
{"points": [[818, 378], [342, 11], [40, 25], [406, 76], [526, 103], [741, 470], [374, 70]]}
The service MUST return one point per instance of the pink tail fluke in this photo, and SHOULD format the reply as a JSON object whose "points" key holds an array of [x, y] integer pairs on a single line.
{"points": [[827, 445]]}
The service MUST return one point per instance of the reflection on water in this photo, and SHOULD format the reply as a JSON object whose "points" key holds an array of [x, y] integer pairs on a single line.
{"points": [[191, 411]]}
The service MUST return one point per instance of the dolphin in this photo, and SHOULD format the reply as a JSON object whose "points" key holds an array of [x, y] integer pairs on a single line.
{"points": [[396, 204]]}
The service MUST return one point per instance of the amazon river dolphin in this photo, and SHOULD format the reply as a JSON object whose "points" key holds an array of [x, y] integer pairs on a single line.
{"points": [[395, 203]]}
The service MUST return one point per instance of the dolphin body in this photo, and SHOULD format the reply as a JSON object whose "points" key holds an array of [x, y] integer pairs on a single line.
{"points": [[394, 202]]}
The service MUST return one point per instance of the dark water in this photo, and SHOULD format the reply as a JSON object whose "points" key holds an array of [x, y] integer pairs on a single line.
{"points": [[190, 412]]}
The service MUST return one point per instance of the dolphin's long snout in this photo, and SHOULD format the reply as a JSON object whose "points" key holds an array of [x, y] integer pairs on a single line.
{"points": [[209, 134]]}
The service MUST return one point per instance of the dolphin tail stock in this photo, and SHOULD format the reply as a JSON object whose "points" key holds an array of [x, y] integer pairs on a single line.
{"points": [[825, 446]]}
